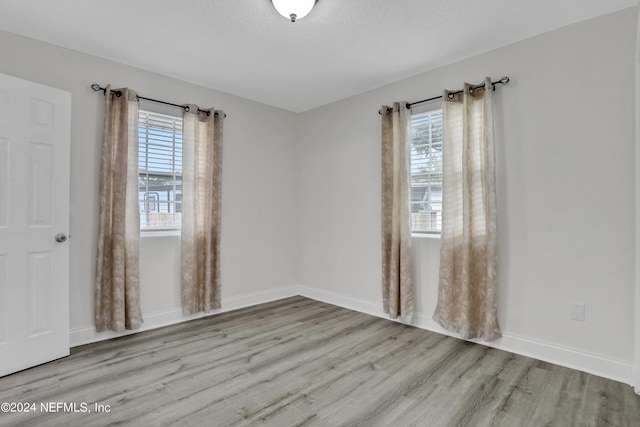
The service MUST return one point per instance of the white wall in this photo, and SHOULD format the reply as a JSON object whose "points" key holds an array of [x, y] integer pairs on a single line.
{"points": [[259, 186], [565, 152]]}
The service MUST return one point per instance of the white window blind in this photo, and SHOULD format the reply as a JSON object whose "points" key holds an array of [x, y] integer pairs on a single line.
{"points": [[426, 172], [160, 171]]}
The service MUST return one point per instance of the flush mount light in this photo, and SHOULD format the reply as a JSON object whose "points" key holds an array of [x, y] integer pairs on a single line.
{"points": [[294, 9]]}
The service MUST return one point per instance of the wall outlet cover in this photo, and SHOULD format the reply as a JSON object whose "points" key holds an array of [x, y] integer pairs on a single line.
{"points": [[577, 311]]}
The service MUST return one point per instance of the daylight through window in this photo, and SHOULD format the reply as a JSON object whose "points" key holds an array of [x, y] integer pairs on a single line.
{"points": [[426, 172], [160, 171]]}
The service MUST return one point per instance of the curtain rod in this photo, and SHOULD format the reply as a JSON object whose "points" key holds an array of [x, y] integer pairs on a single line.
{"points": [[502, 81], [96, 88]]}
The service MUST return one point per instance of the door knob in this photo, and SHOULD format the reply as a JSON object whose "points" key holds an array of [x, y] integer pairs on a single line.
{"points": [[60, 237]]}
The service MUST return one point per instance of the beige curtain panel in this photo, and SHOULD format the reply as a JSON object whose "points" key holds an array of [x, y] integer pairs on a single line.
{"points": [[117, 291], [201, 198], [467, 293], [397, 270]]}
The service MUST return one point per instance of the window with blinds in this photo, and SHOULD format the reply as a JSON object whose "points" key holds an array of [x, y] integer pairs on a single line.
{"points": [[426, 172], [159, 171]]}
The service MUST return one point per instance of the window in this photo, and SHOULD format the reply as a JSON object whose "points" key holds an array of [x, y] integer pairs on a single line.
{"points": [[426, 172], [159, 171]]}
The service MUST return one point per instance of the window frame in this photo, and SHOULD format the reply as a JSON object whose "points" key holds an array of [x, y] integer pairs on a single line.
{"points": [[416, 110], [176, 113]]}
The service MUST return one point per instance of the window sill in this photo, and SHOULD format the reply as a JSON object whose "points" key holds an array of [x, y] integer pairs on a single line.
{"points": [[426, 235], [160, 233]]}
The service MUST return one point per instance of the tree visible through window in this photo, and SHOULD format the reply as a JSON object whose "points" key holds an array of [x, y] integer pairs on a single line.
{"points": [[159, 171], [426, 172]]}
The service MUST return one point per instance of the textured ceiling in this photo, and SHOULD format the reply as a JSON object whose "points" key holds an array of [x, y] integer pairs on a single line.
{"points": [[243, 47]]}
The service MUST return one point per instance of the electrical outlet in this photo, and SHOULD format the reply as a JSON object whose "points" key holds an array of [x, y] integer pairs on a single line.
{"points": [[577, 311]]}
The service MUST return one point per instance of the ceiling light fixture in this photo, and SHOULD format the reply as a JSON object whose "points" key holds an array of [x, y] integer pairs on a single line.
{"points": [[294, 9]]}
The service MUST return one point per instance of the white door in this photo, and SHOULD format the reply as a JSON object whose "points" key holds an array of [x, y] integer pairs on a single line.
{"points": [[34, 207]]}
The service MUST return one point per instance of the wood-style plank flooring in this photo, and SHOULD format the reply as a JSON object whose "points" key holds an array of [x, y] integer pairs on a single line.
{"points": [[300, 362]]}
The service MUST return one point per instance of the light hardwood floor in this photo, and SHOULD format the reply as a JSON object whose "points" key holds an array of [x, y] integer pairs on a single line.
{"points": [[302, 362]]}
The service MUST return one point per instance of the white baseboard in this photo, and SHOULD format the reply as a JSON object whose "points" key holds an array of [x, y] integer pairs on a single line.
{"points": [[560, 355], [81, 336]]}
